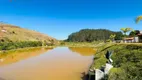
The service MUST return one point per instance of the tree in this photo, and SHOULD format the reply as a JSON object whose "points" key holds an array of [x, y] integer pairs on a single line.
{"points": [[119, 36], [125, 30], [90, 35], [112, 37], [138, 19], [134, 33]]}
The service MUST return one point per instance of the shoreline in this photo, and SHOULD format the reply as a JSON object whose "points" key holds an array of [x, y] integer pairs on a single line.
{"points": [[26, 48], [82, 44]]}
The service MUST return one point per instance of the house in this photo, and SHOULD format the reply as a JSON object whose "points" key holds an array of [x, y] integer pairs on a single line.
{"points": [[140, 36], [129, 40], [134, 39]]}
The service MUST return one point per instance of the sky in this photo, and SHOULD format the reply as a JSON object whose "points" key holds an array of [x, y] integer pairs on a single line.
{"points": [[59, 18]]}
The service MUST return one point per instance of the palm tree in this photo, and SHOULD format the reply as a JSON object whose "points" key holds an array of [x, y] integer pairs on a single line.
{"points": [[138, 19], [125, 30]]}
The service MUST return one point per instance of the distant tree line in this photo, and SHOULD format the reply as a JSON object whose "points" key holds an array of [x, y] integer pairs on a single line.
{"points": [[89, 35]]}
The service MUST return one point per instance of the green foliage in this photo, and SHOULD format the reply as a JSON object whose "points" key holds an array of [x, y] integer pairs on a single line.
{"points": [[89, 35], [116, 74], [127, 61], [134, 33], [62, 43], [125, 30], [138, 19], [81, 44], [15, 45], [99, 59], [109, 40], [119, 36], [112, 36]]}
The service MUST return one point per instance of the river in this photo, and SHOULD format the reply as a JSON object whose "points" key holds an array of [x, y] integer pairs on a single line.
{"points": [[61, 63]]}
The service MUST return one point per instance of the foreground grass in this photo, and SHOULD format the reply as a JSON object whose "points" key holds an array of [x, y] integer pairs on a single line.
{"points": [[127, 61], [99, 59]]}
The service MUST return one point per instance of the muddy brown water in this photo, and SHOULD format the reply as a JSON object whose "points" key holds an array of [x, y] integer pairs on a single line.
{"points": [[60, 63]]}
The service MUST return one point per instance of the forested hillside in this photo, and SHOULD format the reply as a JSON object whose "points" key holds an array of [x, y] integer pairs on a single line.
{"points": [[89, 35]]}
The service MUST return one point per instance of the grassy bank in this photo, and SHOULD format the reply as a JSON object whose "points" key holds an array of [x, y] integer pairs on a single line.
{"points": [[82, 44], [25, 49], [127, 61], [15, 45]]}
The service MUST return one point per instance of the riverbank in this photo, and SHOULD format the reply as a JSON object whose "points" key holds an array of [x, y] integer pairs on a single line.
{"points": [[82, 44], [127, 61], [25, 49]]}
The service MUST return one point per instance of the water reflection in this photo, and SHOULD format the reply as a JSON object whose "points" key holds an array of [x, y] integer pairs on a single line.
{"points": [[13, 57], [84, 51], [1, 78], [58, 64]]}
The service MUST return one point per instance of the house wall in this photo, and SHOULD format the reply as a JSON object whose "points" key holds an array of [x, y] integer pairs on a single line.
{"points": [[140, 32], [128, 41], [140, 39], [136, 39]]}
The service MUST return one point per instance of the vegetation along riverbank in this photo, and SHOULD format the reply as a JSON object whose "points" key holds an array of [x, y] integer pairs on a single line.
{"points": [[127, 61]]}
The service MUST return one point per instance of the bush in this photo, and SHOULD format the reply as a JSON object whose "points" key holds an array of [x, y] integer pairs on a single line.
{"points": [[15, 45], [128, 59]]}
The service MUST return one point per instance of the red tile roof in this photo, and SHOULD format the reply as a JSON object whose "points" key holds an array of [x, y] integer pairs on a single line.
{"points": [[129, 38]]}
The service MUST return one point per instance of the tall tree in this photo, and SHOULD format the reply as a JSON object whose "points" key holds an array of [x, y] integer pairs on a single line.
{"points": [[125, 30], [138, 19]]}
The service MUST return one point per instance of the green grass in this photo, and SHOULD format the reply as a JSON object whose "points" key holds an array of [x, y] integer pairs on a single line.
{"points": [[81, 44], [99, 59]]}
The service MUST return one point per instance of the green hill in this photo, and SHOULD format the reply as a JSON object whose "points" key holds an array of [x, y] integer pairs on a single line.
{"points": [[89, 35]]}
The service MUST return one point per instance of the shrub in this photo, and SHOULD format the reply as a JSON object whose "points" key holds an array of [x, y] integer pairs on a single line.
{"points": [[15, 45], [128, 59]]}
